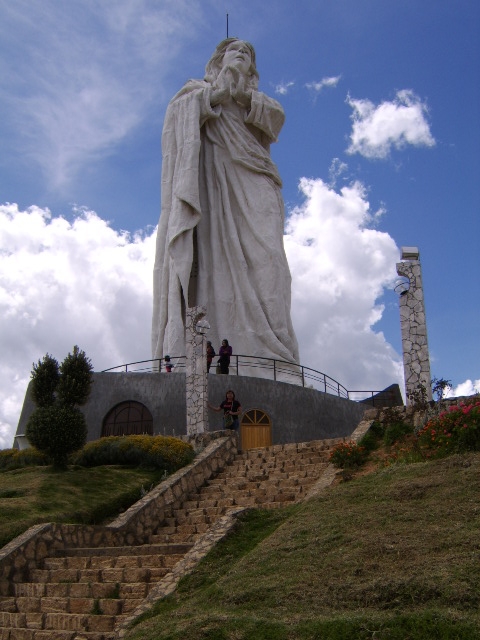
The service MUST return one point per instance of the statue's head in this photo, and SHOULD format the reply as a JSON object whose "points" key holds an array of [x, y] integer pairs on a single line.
{"points": [[215, 64]]}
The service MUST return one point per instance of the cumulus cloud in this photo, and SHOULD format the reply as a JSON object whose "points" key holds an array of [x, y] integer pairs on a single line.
{"points": [[376, 129], [283, 88], [79, 79], [467, 388], [340, 266], [316, 87], [65, 283]]}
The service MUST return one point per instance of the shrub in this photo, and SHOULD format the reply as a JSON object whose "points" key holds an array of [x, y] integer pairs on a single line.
{"points": [[377, 429], [45, 377], [150, 451], [347, 455], [75, 380], [454, 430], [57, 431], [418, 398], [15, 459], [369, 441], [57, 427], [395, 432]]}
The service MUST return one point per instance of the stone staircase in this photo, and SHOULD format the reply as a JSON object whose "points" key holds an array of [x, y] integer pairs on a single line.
{"points": [[82, 593]]}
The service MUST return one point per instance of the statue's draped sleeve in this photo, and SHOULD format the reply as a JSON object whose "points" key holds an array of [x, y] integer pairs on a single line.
{"points": [[181, 210], [266, 114]]}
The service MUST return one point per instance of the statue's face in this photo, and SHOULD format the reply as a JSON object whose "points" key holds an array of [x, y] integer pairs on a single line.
{"points": [[237, 54]]}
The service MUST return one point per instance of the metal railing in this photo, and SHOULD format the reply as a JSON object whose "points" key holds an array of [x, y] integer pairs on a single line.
{"points": [[268, 368]]}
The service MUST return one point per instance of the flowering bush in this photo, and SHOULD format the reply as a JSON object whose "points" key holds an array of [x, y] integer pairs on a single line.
{"points": [[164, 452], [15, 459], [454, 430], [347, 455]]}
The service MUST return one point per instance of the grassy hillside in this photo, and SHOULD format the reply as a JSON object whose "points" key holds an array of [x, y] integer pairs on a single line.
{"points": [[391, 555], [33, 495]]}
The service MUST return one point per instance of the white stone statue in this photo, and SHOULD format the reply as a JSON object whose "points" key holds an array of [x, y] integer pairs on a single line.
{"points": [[220, 235]]}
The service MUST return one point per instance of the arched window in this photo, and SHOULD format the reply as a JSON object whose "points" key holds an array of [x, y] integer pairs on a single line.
{"points": [[255, 429], [128, 418]]}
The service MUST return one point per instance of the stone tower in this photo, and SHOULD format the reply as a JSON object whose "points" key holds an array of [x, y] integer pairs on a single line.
{"points": [[416, 358]]}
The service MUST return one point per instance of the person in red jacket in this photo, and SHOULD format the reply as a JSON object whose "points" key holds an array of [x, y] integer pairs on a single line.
{"points": [[210, 355]]}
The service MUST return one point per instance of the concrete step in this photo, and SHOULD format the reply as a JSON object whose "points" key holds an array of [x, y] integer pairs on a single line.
{"points": [[109, 562], [103, 575], [176, 537], [144, 549], [31, 634], [95, 590], [61, 622]]}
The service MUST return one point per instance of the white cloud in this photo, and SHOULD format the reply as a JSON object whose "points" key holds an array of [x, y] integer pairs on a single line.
{"points": [[283, 88], [336, 170], [340, 266], [79, 79], [63, 284], [467, 388], [376, 129], [317, 86]]}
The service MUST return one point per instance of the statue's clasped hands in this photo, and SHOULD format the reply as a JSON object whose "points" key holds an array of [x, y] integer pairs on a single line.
{"points": [[231, 83]]}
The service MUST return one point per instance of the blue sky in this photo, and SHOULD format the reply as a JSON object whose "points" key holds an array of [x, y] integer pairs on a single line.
{"points": [[380, 149]]}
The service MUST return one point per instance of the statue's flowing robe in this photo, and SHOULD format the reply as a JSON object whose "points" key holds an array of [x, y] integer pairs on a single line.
{"points": [[220, 235]]}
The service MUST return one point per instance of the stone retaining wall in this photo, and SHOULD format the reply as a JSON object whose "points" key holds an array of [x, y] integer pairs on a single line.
{"points": [[133, 527]]}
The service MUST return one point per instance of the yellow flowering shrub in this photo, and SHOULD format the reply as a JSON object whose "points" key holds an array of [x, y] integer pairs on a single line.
{"points": [[163, 452], [15, 458]]}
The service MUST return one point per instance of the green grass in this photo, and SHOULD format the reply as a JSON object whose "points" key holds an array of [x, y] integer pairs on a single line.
{"points": [[391, 555], [33, 495]]}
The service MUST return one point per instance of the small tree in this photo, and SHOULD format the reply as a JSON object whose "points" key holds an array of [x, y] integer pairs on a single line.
{"points": [[440, 386], [75, 378], [57, 426], [45, 377]]}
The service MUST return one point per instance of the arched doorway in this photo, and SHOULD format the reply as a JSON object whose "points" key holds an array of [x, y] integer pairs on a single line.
{"points": [[128, 418], [255, 429]]}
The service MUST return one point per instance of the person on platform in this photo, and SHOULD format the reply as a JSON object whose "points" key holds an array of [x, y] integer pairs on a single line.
{"points": [[225, 353], [168, 364], [220, 234], [210, 355], [231, 410]]}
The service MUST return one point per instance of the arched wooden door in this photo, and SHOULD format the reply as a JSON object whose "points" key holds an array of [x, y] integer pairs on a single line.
{"points": [[128, 418], [255, 429]]}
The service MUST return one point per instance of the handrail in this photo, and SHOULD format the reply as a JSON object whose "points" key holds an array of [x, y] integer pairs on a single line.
{"points": [[280, 370]]}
